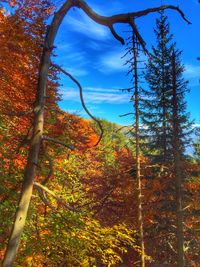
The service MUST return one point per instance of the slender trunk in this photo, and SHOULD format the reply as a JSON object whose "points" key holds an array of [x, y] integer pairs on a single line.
{"points": [[177, 170], [27, 186], [164, 124], [138, 176]]}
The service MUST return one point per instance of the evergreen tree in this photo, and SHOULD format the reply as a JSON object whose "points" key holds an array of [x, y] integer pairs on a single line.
{"points": [[181, 125], [157, 129], [167, 129], [155, 115], [180, 129]]}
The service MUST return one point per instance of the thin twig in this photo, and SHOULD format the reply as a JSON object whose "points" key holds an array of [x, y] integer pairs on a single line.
{"points": [[18, 114], [50, 139], [82, 101], [123, 115]]}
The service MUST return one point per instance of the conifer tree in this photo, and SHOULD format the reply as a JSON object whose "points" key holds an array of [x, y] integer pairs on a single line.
{"points": [[156, 106], [168, 128], [155, 116], [180, 130]]}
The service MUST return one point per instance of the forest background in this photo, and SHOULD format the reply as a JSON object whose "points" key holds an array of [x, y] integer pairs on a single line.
{"points": [[84, 208]]}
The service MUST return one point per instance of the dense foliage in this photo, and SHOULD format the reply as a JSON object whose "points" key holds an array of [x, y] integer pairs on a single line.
{"points": [[83, 210]]}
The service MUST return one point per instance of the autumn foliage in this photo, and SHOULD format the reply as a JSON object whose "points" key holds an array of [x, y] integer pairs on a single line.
{"points": [[84, 206]]}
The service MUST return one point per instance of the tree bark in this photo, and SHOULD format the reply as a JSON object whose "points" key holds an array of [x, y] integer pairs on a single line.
{"points": [[138, 175], [177, 171], [27, 187]]}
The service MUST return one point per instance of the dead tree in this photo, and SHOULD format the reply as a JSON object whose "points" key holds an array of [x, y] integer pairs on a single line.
{"points": [[134, 50], [178, 169], [32, 162], [137, 140]]}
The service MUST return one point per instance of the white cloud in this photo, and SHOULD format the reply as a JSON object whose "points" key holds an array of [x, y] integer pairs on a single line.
{"points": [[99, 96], [102, 90], [84, 25], [71, 57], [94, 45], [192, 71], [77, 72], [112, 62], [106, 98], [64, 46]]}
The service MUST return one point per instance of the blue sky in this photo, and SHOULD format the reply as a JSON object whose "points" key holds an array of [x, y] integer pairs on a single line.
{"points": [[90, 52]]}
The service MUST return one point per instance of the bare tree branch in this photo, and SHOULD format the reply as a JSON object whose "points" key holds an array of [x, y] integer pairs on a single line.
{"points": [[123, 18], [82, 101], [43, 197], [50, 139], [123, 115], [60, 200], [18, 114], [119, 38]]}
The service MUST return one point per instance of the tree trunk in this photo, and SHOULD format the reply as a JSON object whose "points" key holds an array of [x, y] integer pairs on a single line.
{"points": [[177, 171], [164, 112], [27, 186], [138, 175]]}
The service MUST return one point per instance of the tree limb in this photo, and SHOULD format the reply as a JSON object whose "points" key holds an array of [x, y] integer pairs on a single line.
{"points": [[119, 38], [82, 101], [60, 200], [123, 18], [123, 115], [50, 139], [18, 114]]}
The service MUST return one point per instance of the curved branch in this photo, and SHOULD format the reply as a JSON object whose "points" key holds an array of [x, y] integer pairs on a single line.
{"points": [[119, 38], [124, 17], [103, 20], [18, 114], [59, 200], [126, 114], [82, 101]]}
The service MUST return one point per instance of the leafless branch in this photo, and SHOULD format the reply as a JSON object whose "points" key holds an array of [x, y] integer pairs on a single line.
{"points": [[120, 18], [82, 101], [123, 115], [43, 197], [123, 127], [50, 139], [119, 38], [18, 114], [59, 200]]}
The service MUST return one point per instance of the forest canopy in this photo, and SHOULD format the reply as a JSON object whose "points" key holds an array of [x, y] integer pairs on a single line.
{"points": [[85, 191]]}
